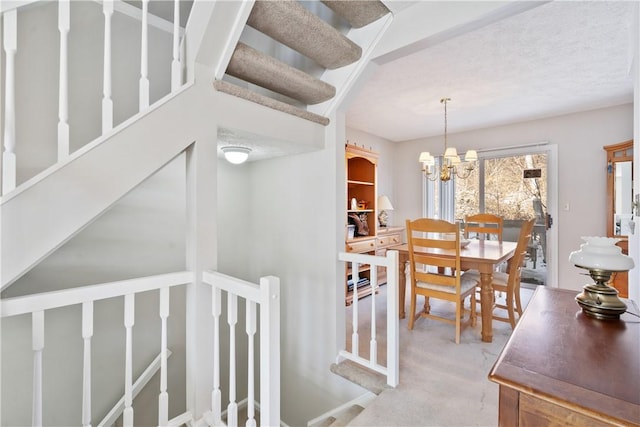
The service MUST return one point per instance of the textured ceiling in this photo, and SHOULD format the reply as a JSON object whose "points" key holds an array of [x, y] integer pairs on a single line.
{"points": [[557, 58]]}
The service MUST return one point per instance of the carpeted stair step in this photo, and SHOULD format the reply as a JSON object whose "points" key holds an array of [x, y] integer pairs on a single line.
{"points": [[255, 67], [364, 377], [344, 418], [240, 92], [327, 422], [358, 12], [292, 25]]}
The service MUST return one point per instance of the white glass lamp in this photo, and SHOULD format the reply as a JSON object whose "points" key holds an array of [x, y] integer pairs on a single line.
{"points": [[602, 258], [384, 204], [236, 154]]}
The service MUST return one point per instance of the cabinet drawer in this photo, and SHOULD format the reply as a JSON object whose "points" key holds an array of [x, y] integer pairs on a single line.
{"points": [[361, 246], [393, 239]]}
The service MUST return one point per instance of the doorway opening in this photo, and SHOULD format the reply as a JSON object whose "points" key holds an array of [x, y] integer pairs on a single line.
{"points": [[515, 183], [513, 186]]}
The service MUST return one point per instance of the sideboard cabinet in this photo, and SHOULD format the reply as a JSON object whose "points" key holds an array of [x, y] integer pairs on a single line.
{"points": [[563, 368], [363, 233]]}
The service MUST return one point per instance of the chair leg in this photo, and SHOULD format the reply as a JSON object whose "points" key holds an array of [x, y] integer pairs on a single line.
{"points": [[473, 313], [512, 319], [427, 306], [458, 320], [516, 293], [412, 310]]}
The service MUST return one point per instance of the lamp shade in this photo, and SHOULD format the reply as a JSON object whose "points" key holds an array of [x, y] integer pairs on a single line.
{"points": [[471, 156], [236, 154], [450, 153], [426, 158], [384, 204], [601, 253]]}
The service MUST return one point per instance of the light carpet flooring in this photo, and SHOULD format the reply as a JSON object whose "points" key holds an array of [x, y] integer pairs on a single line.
{"points": [[441, 383]]}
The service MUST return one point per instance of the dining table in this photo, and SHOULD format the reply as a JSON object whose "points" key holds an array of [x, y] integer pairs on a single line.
{"points": [[482, 255]]}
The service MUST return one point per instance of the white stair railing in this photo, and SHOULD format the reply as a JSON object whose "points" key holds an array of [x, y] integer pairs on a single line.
{"points": [[10, 165], [267, 297], [390, 262], [264, 298], [38, 304]]}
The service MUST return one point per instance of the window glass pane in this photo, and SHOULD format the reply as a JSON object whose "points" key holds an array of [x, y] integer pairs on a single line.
{"points": [[506, 192], [467, 195]]}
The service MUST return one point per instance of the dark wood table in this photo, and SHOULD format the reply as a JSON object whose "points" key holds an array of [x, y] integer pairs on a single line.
{"points": [[561, 367], [482, 255]]}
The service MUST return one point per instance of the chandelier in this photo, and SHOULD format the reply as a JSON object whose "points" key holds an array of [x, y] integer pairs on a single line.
{"points": [[451, 163]]}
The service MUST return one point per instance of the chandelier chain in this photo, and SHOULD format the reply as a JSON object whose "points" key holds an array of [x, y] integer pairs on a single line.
{"points": [[444, 101]]}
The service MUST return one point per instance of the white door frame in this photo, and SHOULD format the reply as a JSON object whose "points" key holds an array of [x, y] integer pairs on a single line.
{"points": [[552, 196]]}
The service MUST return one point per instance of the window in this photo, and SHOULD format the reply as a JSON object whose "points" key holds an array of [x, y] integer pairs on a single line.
{"points": [[509, 186]]}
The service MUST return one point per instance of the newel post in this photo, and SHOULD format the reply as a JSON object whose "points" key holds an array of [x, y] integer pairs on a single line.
{"points": [[270, 351]]}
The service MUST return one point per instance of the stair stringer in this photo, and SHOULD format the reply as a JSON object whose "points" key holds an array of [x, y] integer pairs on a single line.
{"points": [[47, 211], [213, 31], [344, 79]]}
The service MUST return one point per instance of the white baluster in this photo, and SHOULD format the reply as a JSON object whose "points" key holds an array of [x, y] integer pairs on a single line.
{"points": [[163, 399], [10, 36], [216, 394], [269, 351], [393, 345], [107, 102], [63, 96], [129, 320], [144, 58], [232, 319], [354, 320], [37, 337], [373, 344], [251, 331], [176, 67], [87, 333]]}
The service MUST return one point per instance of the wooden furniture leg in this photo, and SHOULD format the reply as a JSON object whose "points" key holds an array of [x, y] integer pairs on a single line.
{"points": [[402, 281], [486, 306]]}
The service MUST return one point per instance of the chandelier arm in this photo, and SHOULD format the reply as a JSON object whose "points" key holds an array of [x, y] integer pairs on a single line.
{"points": [[429, 175], [466, 175]]}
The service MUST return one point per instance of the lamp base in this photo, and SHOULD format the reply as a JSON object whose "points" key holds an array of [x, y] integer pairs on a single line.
{"points": [[601, 302], [383, 217]]}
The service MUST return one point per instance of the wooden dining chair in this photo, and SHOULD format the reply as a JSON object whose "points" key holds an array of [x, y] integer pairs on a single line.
{"points": [[433, 275], [483, 225], [509, 282]]}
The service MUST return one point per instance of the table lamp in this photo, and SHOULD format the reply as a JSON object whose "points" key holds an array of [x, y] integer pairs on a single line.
{"points": [[601, 257], [384, 204]]}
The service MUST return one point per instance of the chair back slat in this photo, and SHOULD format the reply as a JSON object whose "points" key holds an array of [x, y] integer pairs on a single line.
{"points": [[442, 235], [436, 278], [484, 224], [516, 262]]}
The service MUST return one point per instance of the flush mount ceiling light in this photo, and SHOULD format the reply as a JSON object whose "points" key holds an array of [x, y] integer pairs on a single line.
{"points": [[236, 154]]}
